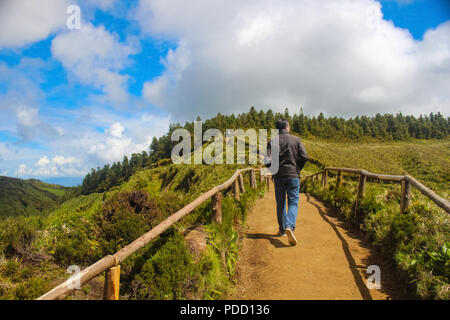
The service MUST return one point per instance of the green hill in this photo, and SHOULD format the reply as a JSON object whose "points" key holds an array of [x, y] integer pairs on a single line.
{"points": [[28, 197]]}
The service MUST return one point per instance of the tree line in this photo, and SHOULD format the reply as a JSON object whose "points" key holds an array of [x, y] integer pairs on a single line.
{"points": [[385, 127]]}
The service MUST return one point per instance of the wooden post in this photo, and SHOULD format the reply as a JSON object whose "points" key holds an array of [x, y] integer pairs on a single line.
{"points": [[252, 179], [112, 283], [236, 190], [324, 178], [268, 183], [338, 180], [361, 185], [241, 183], [361, 189], [406, 196], [217, 207], [261, 177]]}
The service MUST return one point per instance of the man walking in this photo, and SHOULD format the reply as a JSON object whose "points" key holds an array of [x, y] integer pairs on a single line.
{"points": [[292, 158]]}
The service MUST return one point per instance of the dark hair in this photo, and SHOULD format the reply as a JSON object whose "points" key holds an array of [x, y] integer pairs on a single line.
{"points": [[281, 124]]}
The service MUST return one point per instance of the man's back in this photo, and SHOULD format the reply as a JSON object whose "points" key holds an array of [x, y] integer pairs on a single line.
{"points": [[292, 155]]}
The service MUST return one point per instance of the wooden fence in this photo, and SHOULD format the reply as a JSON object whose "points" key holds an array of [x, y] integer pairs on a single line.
{"points": [[406, 183], [111, 263]]}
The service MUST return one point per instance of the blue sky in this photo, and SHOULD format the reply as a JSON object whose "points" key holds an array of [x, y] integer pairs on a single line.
{"points": [[75, 99], [416, 15]]}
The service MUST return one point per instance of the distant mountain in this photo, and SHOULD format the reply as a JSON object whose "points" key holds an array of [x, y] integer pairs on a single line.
{"points": [[28, 197]]}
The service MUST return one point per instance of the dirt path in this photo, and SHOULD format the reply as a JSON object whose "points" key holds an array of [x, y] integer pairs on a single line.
{"points": [[328, 262]]}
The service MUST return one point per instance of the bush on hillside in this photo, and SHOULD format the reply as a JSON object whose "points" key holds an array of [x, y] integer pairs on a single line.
{"points": [[124, 218]]}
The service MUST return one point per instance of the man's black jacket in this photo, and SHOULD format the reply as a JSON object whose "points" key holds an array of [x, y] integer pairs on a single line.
{"points": [[293, 155]]}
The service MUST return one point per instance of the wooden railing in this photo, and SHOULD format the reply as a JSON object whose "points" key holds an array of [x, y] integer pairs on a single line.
{"points": [[111, 263], [406, 183]]}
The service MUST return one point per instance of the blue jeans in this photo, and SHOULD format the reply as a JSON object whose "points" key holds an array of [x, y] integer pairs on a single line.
{"points": [[287, 187]]}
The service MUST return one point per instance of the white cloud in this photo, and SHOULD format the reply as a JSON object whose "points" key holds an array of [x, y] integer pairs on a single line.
{"points": [[44, 161], [61, 161], [29, 125], [338, 57], [83, 146], [116, 130], [23, 21], [374, 95], [23, 170], [95, 57], [27, 116], [58, 166], [115, 145]]}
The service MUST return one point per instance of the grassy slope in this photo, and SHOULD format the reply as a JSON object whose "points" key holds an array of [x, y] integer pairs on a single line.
{"points": [[28, 197], [426, 160]]}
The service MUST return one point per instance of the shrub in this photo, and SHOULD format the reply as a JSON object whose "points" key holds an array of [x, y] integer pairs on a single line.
{"points": [[76, 247], [163, 275], [31, 289], [124, 218], [11, 268], [17, 235]]}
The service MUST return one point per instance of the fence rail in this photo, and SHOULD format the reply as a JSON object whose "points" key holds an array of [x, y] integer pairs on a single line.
{"points": [[110, 264], [406, 183]]}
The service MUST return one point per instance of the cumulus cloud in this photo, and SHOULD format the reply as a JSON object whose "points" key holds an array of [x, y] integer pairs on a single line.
{"points": [[58, 166], [23, 21], [337, 57], [95, 57], [44, 161], [119, 142], [93, 147], [116, 130], [23, 170]]}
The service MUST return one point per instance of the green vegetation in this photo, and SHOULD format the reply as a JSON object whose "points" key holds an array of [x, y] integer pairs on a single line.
{"points": [[35, 251], [417, 242], [426, 160], [29, 197], [118, 203]]}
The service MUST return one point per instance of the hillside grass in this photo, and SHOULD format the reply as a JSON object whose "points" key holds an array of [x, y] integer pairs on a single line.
{"points": [[29, 197], [426, 160]]}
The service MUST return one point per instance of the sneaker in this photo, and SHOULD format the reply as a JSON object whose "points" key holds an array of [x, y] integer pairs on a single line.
{"points": [[291, 238], [281, 234]]}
